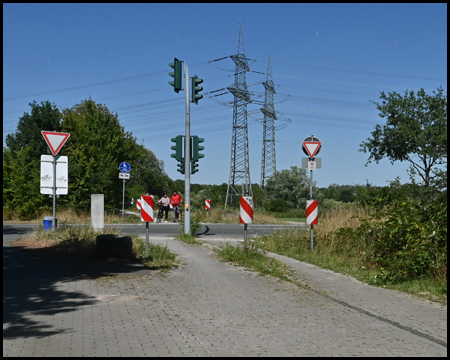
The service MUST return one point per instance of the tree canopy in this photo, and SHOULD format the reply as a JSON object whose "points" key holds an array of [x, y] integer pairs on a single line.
{"points": [[415, 131], [290, 185], [97, 145], [21, 160], [44, 116]]}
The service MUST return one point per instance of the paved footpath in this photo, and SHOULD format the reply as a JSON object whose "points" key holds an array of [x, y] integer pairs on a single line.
{"points": [[210, 308]]}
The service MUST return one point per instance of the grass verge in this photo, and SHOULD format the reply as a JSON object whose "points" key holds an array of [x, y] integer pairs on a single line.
{"points": [[81, 241], [255, 259], [296, 244]]}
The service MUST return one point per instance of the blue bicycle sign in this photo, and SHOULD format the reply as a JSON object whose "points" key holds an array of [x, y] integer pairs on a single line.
{"points": [[124, 167]]}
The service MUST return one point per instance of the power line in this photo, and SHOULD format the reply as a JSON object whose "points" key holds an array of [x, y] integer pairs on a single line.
{"points": [[361, 72], [85, 86]]}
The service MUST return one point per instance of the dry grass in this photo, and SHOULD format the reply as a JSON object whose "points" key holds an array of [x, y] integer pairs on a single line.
{"points": [[345, 216], [334, 220], [231, 216], [70, 216]]}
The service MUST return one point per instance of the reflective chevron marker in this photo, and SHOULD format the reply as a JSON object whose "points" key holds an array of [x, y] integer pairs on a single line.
{"points": [[246, 211], [312, 212]]}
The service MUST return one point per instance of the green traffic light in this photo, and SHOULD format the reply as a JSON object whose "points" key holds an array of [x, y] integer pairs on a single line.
{"points": [[194, 167], [178, 147], [181, 167], [196, 148], [176, 74], [195, 89]]}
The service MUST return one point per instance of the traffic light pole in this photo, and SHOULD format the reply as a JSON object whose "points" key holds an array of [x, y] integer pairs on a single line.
{"points": [[187, 155]]}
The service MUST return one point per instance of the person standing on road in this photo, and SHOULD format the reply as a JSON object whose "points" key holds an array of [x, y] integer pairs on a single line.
{"points": [[164, 202], [176, 201]]}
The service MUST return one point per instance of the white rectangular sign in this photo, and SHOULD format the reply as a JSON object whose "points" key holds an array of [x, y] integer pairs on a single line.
{"points": [[311, 164], [124, 175], [62, 175]]}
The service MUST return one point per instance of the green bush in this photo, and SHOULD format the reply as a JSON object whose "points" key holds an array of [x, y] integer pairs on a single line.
{"points": [[405, 241], [276, 205]]}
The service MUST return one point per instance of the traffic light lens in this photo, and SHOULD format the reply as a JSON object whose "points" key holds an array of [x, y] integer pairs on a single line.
{"points": [[195, 96], [176, 74]]}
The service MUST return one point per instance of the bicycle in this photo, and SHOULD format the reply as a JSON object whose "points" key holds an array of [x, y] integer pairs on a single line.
{"points": [[176, 211], [160, 214]]}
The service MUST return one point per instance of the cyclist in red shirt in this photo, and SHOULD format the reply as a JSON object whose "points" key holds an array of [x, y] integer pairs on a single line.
{"points": [[176, 201]]}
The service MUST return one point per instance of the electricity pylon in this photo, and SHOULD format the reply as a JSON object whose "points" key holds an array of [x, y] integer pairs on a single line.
{"points": [[268, 160], [239, 183]]}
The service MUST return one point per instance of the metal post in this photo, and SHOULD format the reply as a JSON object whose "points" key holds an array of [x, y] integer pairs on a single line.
{"points": [[146, 235], [54, 194], [245, 236], [311, 197], [187, 152], [123, 198]]}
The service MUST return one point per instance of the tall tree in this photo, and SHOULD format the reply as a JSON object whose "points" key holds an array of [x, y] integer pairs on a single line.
{"points": [[44, 116], [415, 131], [21, 185], [149, 174], [291, 185], [98, 144], [96, 147], [21, 161]]}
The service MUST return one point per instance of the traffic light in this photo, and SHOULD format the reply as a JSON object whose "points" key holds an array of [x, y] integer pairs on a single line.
{"points": [[178, 147], [196, 148], [194, 166], [176, 74], [195, 89], [180, 166]]}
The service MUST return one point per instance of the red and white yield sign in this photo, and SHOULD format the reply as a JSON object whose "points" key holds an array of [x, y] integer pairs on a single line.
{"points": [[147, 206], [311, 147], [55, 140], [312, 212], [246, 211]]}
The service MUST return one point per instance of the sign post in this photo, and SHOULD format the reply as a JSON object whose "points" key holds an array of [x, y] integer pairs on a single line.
{"points": [[246, 215], [147, 211], [311, 146], [55, 142], [124, 174]]}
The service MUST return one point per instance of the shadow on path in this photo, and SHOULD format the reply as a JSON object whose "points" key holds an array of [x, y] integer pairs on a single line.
{"points": [[31, 279]]}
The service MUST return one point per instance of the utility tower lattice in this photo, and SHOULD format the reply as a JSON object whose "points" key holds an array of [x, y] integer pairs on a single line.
{"points": [[239, 165], [268, 160]]}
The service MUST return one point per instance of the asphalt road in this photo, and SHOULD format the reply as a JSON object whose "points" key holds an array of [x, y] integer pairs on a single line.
{"points": [[208, 231], [53, 306]]}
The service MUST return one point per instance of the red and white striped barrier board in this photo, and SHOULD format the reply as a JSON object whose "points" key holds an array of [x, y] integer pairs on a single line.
{"points": [[312, 212], [207, 204], [147, 206], [138, 204], [246, 211]]}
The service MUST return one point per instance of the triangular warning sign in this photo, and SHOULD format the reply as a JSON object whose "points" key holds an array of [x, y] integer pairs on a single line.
{"points": [[312, 147], [55, 140]]}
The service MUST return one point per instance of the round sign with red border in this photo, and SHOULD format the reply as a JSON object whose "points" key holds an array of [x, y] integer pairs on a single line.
{"points": [[311, 146]]}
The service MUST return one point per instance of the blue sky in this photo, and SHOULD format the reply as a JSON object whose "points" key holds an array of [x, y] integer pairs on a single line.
{"points": [[328, 62]]}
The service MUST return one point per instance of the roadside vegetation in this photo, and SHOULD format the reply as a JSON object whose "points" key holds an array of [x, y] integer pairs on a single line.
{"points": [[386, 238], [389, 237], [80, 241], [392, 236]]}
